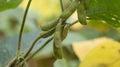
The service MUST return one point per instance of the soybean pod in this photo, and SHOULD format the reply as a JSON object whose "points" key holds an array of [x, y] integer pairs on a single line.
{"points": [[46, 34], [57, 46], [81, 12], [68, 12], [47, 26], [65, 31]]}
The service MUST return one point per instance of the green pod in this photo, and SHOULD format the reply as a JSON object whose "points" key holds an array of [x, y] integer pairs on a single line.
{"points": [[46, 34], [57, 46], [66, 4], [69, 11], [81, 12], [49, 25], [65, 32]]}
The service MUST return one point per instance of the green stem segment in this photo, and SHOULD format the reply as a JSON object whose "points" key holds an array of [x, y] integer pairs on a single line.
{"points": [[39, 49], [73, 23], [57, 47], [31, 47], [61, 5], [42, 35], [22, 26]]}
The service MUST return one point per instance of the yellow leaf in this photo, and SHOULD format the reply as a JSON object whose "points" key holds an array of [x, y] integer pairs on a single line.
{"points": [[82, 48], [106, 54]]}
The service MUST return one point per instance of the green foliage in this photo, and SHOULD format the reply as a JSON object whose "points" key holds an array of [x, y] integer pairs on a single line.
{"points": [[9, 4], [103, 10], [106, 10]]}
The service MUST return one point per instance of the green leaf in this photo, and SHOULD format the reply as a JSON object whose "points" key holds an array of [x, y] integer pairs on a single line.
{"points": [[9, 4], [106, 10]]}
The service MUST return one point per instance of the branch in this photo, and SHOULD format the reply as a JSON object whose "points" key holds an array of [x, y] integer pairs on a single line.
{"points": [[27, 59], [61, 5], [22, 26]]}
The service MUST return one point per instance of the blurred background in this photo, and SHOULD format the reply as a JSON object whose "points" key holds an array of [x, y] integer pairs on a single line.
{"points": [[43, 11]]}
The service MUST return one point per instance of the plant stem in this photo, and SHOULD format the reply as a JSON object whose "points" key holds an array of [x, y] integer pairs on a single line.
{"points": [[76, 22], [12, 62], [73, 23], [22, 26], [61, 5], [41, 47], [31, 47], [34, 42]]}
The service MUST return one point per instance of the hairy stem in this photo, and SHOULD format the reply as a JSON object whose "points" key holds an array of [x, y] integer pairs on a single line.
{"points": [[31, 47], [73, 23], [39, 49], [61, 5], [43, 35], [22, 26]]}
